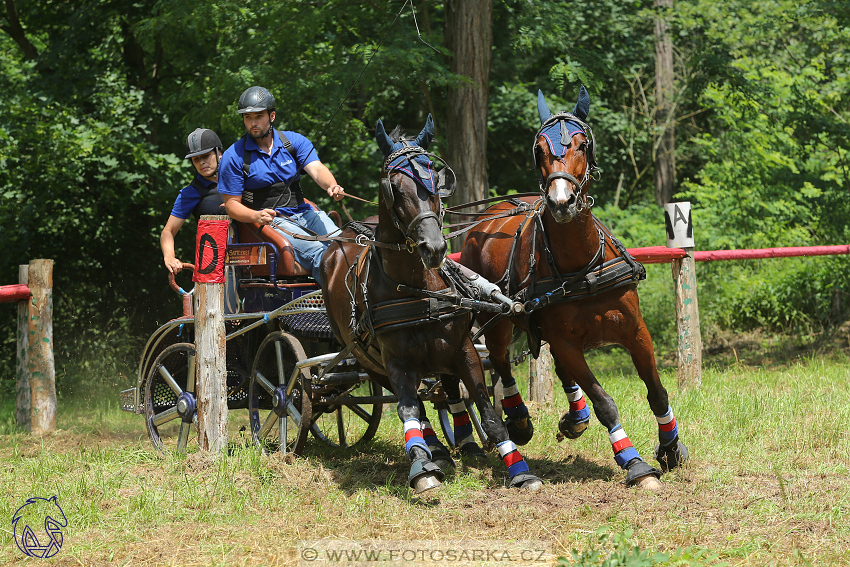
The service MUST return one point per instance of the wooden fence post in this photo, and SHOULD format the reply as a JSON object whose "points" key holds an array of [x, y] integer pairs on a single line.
{"points": [[42, 372], [540, 390], [22, 373], [211, 366], [680, 234]]}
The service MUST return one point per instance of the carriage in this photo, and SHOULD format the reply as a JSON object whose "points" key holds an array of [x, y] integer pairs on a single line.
{"points": [[287, 378]]}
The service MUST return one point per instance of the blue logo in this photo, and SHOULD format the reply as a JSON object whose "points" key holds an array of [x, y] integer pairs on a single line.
{"points": [[39, 512]]}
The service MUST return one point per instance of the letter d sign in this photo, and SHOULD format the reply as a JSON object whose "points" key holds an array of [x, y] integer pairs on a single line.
{"points": [[209, 251]]}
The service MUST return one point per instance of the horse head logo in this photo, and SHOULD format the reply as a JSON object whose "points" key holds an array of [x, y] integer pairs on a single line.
{"points": [[37, 512]]}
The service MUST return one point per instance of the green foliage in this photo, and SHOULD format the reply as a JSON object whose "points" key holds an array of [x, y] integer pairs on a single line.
{"points": [[92, 131], [608, 548]]}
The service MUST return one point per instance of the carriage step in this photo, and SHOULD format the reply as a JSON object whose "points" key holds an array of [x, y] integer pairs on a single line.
{"points": [[128, 401]]}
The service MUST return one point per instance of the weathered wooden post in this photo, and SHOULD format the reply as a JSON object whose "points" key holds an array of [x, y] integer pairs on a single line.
{"points": [[680, 234], [540, 377], [42, 372], [22, 373], [211, 365]]}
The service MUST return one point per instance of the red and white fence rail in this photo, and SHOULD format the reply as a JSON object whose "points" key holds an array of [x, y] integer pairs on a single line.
{"points": [[680, 253]]}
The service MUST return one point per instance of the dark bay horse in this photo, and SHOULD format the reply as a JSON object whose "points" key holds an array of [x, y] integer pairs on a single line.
{"points": [[578, 284], [394, 305]]}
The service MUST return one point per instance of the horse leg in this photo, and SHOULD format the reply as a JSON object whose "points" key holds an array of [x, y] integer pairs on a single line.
{"points": [[440, 455], [517, 420], [573, 423], [670, 451], [424, 475], [464, 438], [625, 455], [471, 372]]}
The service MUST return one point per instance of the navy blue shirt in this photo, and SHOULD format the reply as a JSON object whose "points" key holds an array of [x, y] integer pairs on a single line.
{"points": [[188, 199], [265, 169]]}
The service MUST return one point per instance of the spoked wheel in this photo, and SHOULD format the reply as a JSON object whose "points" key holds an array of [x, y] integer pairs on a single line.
{"points": [[170, 399], [353, 423], [278, 399]]}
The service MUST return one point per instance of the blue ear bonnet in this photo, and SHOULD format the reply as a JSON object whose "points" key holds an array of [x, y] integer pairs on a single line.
{"points": [[559, 135], [559, 129], [420, 169], [416, 164]]}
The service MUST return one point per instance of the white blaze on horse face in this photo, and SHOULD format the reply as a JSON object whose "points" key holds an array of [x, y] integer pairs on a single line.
{"points": [[560, 191]]}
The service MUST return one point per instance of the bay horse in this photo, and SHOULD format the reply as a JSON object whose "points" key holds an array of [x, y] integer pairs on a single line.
{"points": [[394, 306], [578, 285]]}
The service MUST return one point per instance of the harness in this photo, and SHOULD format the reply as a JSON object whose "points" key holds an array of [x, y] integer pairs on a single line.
{"points": [[279, 194], [596, 277]]}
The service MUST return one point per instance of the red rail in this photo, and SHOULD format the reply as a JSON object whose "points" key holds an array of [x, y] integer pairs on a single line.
{"points": [[12, 293], [661, 254]]}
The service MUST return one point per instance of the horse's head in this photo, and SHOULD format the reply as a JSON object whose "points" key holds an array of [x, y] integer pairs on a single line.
{"points": [[411, 190], [564, 154]]}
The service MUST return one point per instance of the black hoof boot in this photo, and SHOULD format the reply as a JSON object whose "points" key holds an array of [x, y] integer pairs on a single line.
{"points": [[671, 456], [570, 428], [472, 452], [526, 481], [638, 473], [442, 458], [520, 436], [424, 475]]}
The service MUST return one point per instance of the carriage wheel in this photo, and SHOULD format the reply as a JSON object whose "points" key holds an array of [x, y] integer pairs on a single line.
{"points": [[278, 402], [351, 424], [170, 399]]}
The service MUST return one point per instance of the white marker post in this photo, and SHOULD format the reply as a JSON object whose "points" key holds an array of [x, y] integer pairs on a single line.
{"points": [[680, 234]]}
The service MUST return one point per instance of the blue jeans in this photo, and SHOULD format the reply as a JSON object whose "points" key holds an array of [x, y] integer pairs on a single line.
{"points": [[308, 253]]}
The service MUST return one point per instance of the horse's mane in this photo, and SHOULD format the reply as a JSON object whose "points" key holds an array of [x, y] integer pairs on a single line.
{"points": [[400, 135]]}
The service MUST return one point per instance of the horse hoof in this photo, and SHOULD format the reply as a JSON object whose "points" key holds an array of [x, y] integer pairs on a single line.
{"points": [[424, 475], [520, 430], [671, 457], [526, 481], [638, 471], [425, 483], [648, 482], [473, 453], [570, 428]]}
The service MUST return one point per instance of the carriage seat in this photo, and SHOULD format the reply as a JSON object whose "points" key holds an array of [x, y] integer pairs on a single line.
{"points": [[286, 264]]}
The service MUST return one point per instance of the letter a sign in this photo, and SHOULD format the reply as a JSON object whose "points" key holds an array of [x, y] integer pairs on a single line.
{"points": [[210, 251], [680, 227]]}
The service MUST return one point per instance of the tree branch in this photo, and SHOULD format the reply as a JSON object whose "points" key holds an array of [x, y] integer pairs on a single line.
{"points": [[16, 31]]}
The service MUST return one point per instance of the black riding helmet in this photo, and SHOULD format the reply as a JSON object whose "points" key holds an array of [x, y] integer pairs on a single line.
{"points": [[256, 99], [201, 141]]}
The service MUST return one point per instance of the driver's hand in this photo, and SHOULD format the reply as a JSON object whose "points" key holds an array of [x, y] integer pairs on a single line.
{"points": [[265, 216], [337, 192]]}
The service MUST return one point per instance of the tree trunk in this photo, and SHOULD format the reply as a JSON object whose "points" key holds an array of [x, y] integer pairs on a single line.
{"points": [[469, 35], [665, 152]]}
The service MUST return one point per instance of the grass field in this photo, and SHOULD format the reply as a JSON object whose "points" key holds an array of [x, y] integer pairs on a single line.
{"points": [[767, 484]]}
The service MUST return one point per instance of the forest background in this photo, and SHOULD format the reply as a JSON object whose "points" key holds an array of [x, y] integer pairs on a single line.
{"points": [[98, 97]]}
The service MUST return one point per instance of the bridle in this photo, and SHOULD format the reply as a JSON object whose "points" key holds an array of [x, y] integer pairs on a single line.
{"points": [[563, 118], [408, 152]]}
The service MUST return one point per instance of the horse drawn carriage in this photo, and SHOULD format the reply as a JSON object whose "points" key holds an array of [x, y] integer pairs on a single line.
{"points": [[286, 377], [394, 315]]}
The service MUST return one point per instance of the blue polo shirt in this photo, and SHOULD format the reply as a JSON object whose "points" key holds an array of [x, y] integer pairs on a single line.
{"points": [[265, 169], [189, 198]]}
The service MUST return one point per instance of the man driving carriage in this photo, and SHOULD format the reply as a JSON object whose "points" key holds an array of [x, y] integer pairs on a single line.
{"points": [[259, 179]]}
